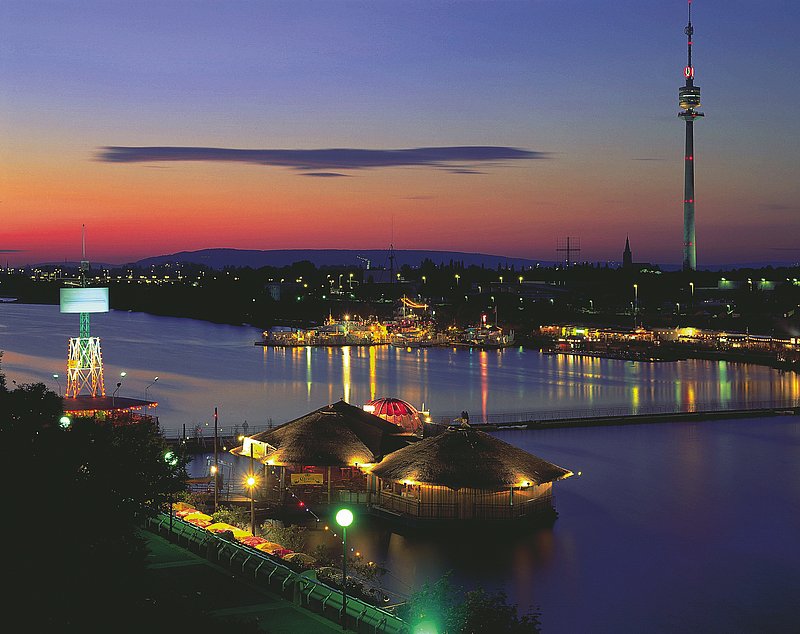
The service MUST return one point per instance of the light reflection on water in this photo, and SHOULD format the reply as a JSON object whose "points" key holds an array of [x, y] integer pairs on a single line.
{"points": [[201, 366], [686, 526], [670, 527]]}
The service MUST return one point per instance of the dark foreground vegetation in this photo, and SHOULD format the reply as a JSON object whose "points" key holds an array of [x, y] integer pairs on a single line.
{"points": [[73, 553]]}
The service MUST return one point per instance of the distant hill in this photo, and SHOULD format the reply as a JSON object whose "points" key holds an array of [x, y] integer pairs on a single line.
{"points": [[219, 258]]}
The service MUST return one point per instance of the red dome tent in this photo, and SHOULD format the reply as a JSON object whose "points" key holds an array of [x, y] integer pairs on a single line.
{"points": [[396, 411]]}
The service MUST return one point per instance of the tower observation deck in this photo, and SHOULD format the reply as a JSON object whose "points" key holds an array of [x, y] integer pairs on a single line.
{"points": [[689, 100]]}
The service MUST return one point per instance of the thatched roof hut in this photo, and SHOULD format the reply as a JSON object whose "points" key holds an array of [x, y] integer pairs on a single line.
{"points": [[339, 434], [463, 457], [463, 474]]}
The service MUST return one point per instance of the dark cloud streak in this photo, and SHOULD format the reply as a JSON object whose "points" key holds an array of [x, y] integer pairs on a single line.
{"points": [[452, 158]]}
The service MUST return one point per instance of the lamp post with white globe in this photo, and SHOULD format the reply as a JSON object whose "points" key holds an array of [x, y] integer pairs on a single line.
{"points": [[344, 517]]}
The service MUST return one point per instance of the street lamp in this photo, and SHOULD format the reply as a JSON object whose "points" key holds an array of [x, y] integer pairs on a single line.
{"points": [[55, 376], [172, 461], [64, 422], [344, 517], [635, 302], [215, 468], [458, 277], [122, 375], [251, 482], [149, 386], [424, 279]]}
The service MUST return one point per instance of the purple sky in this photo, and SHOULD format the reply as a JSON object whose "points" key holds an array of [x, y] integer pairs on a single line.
{"points": [[551, 119]]}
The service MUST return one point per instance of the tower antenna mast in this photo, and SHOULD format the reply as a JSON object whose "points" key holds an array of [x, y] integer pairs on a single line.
{"points": [[689, 99]]}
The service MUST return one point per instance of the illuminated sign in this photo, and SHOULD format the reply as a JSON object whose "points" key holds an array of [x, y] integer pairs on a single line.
{"points": [[84, 300], [307, 478]]}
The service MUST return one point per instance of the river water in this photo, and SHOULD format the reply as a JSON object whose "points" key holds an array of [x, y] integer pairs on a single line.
{"points": [[688, 526]]}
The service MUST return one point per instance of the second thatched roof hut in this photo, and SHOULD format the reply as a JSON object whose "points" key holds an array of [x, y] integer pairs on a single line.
{"points": [[464, 473]]}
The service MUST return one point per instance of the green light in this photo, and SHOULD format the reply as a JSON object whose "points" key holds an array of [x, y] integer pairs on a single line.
{"points": [[170, 458], [426, 627], [344, 518], [64, 422]]}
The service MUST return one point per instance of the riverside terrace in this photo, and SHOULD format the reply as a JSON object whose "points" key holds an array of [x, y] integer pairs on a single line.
{"points": [[250, 584]]}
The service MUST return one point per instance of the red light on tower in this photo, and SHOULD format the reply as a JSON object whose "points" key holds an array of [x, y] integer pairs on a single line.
{"points": [[688, 72]]}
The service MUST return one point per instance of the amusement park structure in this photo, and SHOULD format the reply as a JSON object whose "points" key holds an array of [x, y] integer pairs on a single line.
{"points": [[85, 360]]}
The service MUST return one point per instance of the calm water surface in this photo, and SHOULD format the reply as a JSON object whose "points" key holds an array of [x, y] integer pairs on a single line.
{"points": [[201, 366], [680, 527]]}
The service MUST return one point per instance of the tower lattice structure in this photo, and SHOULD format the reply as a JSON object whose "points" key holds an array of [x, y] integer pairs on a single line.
{"points": [[689, 99], [85, 359]]}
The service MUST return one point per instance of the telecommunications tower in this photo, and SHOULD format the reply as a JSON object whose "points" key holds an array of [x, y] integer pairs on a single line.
{"points": [[85, 361], [689, 99]]}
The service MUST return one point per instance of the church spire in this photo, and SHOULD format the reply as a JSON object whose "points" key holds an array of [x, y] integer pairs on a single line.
{"points": [[627, 256]]}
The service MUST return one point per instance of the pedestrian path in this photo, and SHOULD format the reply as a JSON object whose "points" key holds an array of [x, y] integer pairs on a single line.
{"points": [[178, 576]]}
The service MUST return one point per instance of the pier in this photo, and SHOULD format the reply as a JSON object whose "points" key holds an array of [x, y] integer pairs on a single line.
{"points": [[640, 419], [230, 436]]}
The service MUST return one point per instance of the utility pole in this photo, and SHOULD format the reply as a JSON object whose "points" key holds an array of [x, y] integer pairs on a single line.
{"points": [[216, 463]]}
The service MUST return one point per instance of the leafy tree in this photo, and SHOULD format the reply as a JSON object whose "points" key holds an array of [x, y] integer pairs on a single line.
{"points": [[367, 570], [79, 492], [325, 555], [197, 501], [491, 613], [443, 608], [293, 537], [234, 515]]}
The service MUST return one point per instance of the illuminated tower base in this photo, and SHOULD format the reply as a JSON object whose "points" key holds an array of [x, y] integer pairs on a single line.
{"points": [[85, 367], [85, 362]]}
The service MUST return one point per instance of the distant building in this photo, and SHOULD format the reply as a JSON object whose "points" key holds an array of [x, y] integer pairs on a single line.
{"points": [[627, 256], [629, 265]]}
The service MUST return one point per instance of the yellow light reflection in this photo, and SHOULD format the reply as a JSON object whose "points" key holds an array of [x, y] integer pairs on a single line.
{"points": [[373, 373], [346, 372]]}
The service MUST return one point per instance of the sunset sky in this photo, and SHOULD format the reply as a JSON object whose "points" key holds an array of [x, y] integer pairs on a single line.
{"points": [[495, 127]]}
